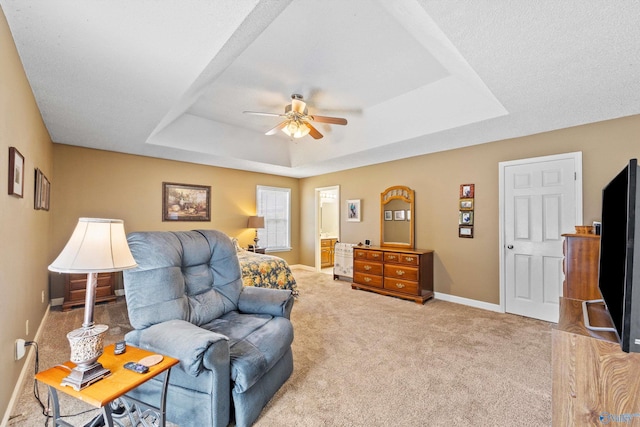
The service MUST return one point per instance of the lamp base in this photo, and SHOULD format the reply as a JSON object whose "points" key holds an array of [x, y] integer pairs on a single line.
{"points": [[81, 377], [86, 348]]}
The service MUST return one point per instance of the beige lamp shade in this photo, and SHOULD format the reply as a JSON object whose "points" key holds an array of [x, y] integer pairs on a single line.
{"points": [[255, 222], [97, 245]]}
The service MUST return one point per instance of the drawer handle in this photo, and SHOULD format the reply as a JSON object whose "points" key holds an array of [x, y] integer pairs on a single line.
{"points": [[399, 272], [367, 267], [367, 279], [399, 285], [375, 255], [391, 256], [409, 258]]}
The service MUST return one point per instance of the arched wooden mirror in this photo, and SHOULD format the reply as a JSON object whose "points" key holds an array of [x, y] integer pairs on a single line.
{"points": [[396, 217]]}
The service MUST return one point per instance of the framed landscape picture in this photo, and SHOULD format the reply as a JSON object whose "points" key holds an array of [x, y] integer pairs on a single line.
{"points": [[186, 202]]}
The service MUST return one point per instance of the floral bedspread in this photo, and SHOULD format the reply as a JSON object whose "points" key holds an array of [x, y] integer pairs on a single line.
{"points": [[266, 271]]}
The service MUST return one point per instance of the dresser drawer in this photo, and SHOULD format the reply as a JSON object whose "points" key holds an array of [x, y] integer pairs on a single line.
{"points": [[79, 281], [367, 267], [400, 285], [400, 271], [367, 279]]}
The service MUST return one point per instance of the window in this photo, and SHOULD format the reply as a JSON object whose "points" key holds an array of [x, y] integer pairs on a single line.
{"points": [[274, 204]]}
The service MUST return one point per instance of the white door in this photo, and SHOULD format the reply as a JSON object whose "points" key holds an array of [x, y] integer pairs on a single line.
{"points": [[542, 199]]}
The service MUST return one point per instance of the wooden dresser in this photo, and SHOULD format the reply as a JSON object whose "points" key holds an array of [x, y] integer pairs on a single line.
{"points": [[75, 286], [581, 263], [402, 273], [594, 382]]}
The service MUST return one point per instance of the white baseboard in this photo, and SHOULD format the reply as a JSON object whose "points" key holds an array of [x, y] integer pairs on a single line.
{"points": [[470, 302], [303, 267], [28, 365]]}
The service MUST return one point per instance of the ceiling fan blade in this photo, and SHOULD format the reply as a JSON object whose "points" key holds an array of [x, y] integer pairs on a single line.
{"points": [[264, 114], [298, 105], [332, 120], [313, 131], [275, 129]]}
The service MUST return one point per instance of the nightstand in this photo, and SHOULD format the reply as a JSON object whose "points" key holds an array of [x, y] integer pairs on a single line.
{"points": [[257, 250], [114, 387]]}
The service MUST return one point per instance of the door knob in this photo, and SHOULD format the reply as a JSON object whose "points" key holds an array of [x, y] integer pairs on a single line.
{"points": [[510, 247]]}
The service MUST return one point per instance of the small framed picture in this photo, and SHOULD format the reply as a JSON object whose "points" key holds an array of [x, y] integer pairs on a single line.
{"points": [[467, 191], [388, 215], [466, 204], [465, 231], [16, 172], [466, 218], [398, 215], [353, 210], [186, 202]]}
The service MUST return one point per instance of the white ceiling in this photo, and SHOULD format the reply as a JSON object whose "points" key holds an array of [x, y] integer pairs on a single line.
{"points": [[171, 78]]}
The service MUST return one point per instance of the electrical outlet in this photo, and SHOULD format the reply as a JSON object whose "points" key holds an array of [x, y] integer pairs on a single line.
{"points": [[19, 354], [27, 327], [42, 297]]}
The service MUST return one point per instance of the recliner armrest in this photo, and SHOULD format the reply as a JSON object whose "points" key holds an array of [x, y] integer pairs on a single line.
{"points": [[195, 347], [276, 302]]}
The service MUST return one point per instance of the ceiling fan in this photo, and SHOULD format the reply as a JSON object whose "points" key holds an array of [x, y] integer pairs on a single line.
{"points": [[297, 123]]}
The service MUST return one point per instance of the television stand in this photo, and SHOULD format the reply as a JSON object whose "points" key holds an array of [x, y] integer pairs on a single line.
{"points": [[594, 381]]}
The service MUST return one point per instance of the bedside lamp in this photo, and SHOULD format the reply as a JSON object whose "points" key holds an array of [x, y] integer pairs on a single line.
{"points": [[96, 246], [256, 222]]}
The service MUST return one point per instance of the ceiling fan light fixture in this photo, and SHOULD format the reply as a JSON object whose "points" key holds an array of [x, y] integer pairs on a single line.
{"points": [[296, 129]]}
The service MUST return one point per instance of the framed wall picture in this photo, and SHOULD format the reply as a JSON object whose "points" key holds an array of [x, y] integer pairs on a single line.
{"points": [[16, 173], [388, 215], [466, 218], [186, 202], [466, 204], [353, 210], [37, 189], [465, 231], [467, 191], [398, 215]]}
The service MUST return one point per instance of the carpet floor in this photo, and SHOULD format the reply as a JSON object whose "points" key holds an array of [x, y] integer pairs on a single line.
{"points": [[362, 359]]}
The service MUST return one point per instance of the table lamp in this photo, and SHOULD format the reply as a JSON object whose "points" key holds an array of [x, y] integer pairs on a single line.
{"points": [[255, 222], [96, 246]]}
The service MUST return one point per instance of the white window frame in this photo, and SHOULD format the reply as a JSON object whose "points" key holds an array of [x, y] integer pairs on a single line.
{"points": [[283, 243]]}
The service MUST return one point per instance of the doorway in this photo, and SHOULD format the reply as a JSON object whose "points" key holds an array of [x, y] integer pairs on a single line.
{"points": [[327, 222], [540, 199]]}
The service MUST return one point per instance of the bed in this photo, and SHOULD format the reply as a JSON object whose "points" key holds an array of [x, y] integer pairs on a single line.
{"points": [[266, 271]]}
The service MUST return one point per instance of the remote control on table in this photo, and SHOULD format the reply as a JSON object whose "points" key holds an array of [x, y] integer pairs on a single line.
{"points": [[136, 367]]}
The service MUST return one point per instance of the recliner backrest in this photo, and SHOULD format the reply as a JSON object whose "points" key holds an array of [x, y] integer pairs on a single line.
{"points": [[187, 275]]}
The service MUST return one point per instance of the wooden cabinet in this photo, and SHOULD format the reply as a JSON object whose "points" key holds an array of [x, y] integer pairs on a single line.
{"points": [[403, 273], [75, 286], [581, 263], [327, 252], [594, 381]]}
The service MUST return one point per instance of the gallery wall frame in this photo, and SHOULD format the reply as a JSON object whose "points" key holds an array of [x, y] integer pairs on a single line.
{"points": [[465, 231], [186, 202], [42, 191], [354, 212], [16, 173]]}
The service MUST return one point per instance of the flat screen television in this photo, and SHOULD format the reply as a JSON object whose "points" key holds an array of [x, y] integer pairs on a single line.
{"points": [[619, 269]]}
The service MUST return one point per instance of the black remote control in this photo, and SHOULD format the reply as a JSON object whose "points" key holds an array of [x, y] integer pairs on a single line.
{"points": [[136, 367]]}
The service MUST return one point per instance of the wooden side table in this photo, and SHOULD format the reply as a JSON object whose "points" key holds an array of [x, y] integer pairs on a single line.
{"points": [[257, 250], [114, 387]]}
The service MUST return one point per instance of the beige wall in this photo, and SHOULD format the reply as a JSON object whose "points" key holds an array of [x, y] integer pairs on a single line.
{"points": [[95, 183], [468, 268], [24, 232]]}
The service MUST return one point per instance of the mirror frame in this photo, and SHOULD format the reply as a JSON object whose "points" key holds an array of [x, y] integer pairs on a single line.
{"points": [[398, 192]]}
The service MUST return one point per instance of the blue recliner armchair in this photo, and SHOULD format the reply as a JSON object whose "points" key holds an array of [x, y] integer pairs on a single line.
{"points": [[186, 300]]}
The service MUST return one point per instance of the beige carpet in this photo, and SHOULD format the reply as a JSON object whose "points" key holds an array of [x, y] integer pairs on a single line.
{"points": [[362, 359]]}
